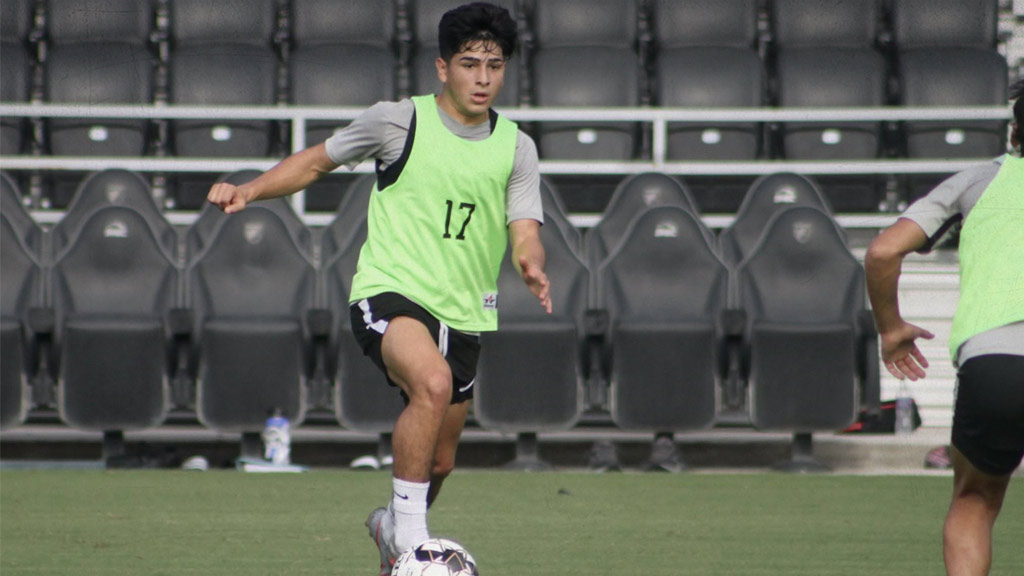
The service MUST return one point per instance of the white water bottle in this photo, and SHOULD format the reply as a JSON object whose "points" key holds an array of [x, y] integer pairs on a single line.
{"points": [[277, 440], [904, 411]]}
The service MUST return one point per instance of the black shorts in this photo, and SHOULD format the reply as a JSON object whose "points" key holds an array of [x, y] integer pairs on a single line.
{"points": [[988, 421], [370, 319]]}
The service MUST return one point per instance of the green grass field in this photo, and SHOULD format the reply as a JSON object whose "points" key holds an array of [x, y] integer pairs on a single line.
{"points": [[228, 523]]}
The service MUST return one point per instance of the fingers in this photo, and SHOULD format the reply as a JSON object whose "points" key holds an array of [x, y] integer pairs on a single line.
{"points": [[226, 197], [537, 281], [908, 366]]}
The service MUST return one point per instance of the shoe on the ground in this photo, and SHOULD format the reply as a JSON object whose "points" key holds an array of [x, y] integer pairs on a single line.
{"points": [[665, 456], [939, 458], [381, 524], [604, 457]]}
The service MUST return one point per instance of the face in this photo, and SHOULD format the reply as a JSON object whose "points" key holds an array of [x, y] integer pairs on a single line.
{"points": [[472, 80]]}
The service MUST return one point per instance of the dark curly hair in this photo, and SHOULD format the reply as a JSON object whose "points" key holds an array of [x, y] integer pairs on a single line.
{"points": [[476, 22]]}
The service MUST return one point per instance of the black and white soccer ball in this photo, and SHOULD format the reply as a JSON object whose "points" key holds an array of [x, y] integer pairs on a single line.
{"points": [[435, 557]]}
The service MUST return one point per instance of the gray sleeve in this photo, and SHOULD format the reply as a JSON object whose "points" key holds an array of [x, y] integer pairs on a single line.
{"points": [[954, 197], [522, 196], [376, 133]]}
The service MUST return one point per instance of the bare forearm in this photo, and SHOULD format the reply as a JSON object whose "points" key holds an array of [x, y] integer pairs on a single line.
{"points": [[883, 265], [292, 174], [883, 277]]}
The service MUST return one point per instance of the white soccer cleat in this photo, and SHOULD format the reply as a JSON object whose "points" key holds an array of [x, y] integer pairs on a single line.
{"points": [[381, 524]]}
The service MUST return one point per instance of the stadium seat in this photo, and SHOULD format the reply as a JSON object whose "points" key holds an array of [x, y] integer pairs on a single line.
{"points": [[425, 16], [585, 56], [954, 77], [803, 295], [921, 23], [334, 43], [826, 58], [766, 196], [946, 54], [113, 288], [634, 195], [250, 289], [556, 214], [98, 52], [706, 57], [113, 187], [223, 56], [544, 393], [362, 401], [22, 274], [16, 66], [664, 289]]}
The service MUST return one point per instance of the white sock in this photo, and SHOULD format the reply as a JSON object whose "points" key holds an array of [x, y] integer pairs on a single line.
{"points": [[410, 504]]}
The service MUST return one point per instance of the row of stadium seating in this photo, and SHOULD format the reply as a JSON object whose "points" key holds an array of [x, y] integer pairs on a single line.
{"points": [[576, 53], [114, 316]]}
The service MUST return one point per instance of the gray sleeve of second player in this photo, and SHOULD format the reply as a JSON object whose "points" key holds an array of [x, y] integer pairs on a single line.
{"points": [[954, 197], [522, 196]]}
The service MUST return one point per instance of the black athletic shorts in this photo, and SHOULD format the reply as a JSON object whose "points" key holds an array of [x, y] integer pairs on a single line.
{"points": [[370, 319], [988, 420]]}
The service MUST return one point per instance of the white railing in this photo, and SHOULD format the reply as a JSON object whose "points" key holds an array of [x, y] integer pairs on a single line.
{"points": [[658, 118]]}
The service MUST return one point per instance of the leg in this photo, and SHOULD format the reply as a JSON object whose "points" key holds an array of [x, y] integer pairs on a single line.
{"points": [[967, 534], [447, 444], [415, 364]]}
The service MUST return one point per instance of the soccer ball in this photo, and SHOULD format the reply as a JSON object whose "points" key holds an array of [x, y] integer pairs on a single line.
{"points": [[435, 557]]}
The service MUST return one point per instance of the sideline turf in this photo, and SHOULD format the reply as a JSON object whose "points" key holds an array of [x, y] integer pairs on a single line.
{"points": [[228, 523]]}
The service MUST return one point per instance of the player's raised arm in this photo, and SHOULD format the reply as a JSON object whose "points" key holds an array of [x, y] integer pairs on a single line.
{"points": [[292, 174], [528, 258]]}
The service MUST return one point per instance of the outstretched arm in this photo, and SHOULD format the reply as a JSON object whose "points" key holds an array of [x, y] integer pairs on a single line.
{"points": [[528, 258], [292, 174], [883, 264]]}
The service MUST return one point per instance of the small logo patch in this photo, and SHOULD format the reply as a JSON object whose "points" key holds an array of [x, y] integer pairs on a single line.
{"points": [[491, 301]]}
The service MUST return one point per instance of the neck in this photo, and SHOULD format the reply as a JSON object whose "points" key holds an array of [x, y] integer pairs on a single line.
{"points": [[445, 103]]}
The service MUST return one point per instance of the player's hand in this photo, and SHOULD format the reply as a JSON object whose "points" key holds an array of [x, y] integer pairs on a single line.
{"points": [[900, 353], [227, 197], [537, 281]]}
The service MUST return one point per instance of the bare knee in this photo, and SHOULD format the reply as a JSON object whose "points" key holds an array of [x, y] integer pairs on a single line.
{"points": [[433, 389]]}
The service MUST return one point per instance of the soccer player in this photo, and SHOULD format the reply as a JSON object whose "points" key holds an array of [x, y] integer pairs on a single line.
{"points": [[987, 339], [456, 184]]}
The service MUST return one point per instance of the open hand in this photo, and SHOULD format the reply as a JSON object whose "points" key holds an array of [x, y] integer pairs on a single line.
{"points": [[902, 357], [537, 281]]}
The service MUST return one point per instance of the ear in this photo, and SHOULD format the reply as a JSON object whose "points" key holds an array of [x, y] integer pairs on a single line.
{"points": [[442, 69]]}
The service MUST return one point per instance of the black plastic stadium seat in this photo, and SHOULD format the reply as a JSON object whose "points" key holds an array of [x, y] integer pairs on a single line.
{"points": [[767, 195], [98, 53], [113, 287], [922, 23], [632, 196], [803, 293], [250, 289], [706, 57], [664, 289], [332, 46], [113, 187], [22, 276], [953, 76], [947, 57], [545, 392], [585, 57]]}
